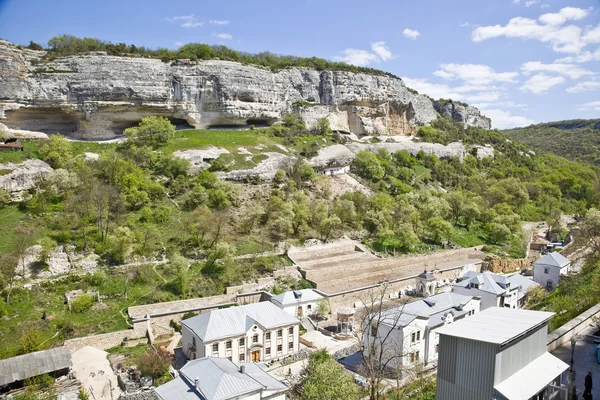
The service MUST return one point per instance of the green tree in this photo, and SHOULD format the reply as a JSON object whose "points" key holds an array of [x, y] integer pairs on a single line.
{"points": [[153, 132], [367, 165], [325, 379], [328, 226], [324, 127], [30, 340], [181, 266], [438, 229], [498, 233], [56, 151], [34, 46], [154, 363]]}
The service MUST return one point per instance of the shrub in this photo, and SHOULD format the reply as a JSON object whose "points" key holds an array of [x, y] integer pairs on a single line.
{"points": [[40, 382], [82, 303], [154, 363], [31, 340]]}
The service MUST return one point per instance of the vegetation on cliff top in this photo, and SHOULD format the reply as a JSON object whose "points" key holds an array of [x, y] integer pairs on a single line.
{"points": [[68, 45], [575, 139]]}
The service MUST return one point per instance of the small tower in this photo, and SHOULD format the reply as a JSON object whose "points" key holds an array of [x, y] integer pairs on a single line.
{"points": [[426, 284]]}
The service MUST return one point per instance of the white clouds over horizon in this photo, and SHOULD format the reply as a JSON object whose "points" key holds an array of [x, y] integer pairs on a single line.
{"points": [[379, 52], [548, 28], [186, 21], [541, 83], [411, 33], [592, 105], [474, 73], [218, 22], [569, 70], [586, 86], [224, 36], [505, 119]]}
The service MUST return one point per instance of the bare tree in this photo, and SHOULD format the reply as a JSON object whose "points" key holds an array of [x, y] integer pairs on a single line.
{"points": [[25, 237], [382, 351]]}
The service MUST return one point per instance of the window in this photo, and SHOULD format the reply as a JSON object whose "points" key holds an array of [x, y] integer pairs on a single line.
{"points": [[373, 330], [309, 307], [255, 339], [268, 351], [194, 341], [415, 337], [437, 348], [279, 348], [228, 344], [242, 341], [215, 347], [418, 335], [280, 333], [291, 330], [291, 346], [268, 336], [474, 286], [549, 285], [546, 270], [242, 357]]}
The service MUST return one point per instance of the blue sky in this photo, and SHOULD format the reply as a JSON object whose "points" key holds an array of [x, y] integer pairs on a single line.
{"points": [[519, 61]]}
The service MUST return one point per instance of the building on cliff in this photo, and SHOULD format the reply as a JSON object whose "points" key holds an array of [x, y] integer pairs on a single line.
{"points": [[96, 96]]}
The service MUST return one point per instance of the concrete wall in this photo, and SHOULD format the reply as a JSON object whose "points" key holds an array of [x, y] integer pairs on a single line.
{"points": [[572, 328]]}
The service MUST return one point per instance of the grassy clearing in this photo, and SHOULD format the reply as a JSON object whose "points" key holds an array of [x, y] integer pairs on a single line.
{"points": [[10, 217], [230, 140], [29, 151], [91, 147]]}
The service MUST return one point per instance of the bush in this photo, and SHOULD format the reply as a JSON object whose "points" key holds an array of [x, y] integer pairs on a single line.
{"points": [[31, 340], [154, 363], [82, 303], [40, 382]]}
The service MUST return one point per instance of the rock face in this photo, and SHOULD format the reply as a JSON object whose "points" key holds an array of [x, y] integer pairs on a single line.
{"points": [[96, 96], [18, 178], [468, 115]]}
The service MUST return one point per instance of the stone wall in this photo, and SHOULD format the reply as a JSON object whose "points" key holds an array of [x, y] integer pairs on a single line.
{"points": [[572, 328], [103, 341], [499, 265]]}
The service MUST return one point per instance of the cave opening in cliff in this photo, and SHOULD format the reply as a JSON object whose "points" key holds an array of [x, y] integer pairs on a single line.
{"points": [[46, 120], [180, 123], [260, 122]]}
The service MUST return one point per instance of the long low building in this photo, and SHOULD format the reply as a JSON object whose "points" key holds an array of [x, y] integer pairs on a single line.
{"points": [[56, 362]]}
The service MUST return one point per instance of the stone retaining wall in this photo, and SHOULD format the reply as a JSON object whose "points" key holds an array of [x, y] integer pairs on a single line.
{"points": [[261, 283], [572, 328], [102, 341]]}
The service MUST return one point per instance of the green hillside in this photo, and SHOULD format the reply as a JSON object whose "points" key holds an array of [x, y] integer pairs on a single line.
{"points": [[577, 139]]}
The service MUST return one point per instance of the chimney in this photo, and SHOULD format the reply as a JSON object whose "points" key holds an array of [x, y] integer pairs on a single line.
{"points": [[242, 369], [196, 381]]}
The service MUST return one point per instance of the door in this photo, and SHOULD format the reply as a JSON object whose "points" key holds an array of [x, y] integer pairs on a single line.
{"points": [[255, 356], [299, 311]]}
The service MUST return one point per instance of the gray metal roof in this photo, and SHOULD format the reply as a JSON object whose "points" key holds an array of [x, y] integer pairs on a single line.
{"points": [[487, 282], [531, 379], [33, 364], [427, 275], [218, 379], [235, 321], [438, 305], [496, 325], [553, 259], [296, 296], [525, 284]]}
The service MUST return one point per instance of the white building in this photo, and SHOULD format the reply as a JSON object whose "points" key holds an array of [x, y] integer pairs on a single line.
{"points": [[253, 332], [494, 290], [221, 379], [299, 303], [498, 354], [548, 270], [333, 170], [525, 284], [408, 332]]}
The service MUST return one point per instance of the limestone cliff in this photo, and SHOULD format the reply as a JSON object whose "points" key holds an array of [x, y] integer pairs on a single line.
{"points": [[96, 96]]}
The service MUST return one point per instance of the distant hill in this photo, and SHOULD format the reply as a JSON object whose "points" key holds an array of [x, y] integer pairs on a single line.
{"points": [[577, 139]]}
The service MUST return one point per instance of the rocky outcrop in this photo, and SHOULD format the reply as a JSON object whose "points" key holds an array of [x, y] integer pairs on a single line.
{"points": [[462, 113], [499, 265], [19, 178], [96, 96]]}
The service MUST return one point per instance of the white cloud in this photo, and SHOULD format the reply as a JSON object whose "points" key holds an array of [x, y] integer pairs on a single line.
{"points": [[178, 44], [224, 36], [592, 105], [544, 6], [549, 28], [474, 73], [411, 33], [381, 50], [541, 83], [483, 97], [592, 35], [587, 86], [186, 21], [516, 1], [466, 92], [464, 24], [218, 22], [504, 119], [582, 57], [358, 57], [531, 2], [570, 70], [504, 104]]}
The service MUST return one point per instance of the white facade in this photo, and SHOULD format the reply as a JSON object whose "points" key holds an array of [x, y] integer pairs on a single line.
{"points": [[409, 336], [493, 290], [548, 276], [299, 303], [333, 170], [257, 344]]}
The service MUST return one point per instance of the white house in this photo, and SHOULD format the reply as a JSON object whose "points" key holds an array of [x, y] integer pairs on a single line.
{"points": [[548, 269], [408, 332], [498, 354], [494, 290], [299, 303], [336, 169], [525, 284], [221, 379], [253, 332]]}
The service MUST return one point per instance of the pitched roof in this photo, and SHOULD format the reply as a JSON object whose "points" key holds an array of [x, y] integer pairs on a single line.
{"points": [[435, 307], [427, 275], [235, 321], [218, 379], [33, 364], [486, 281], [496, 325], [553, 259], [525, 284], [296, 296]]}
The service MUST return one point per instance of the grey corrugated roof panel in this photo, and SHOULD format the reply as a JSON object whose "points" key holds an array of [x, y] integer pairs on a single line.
{"points": [[33, 364], [487, 281], [290, 298], [233, 321], [177, 389], [496, 325], [524, 282], [553, 259]]}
